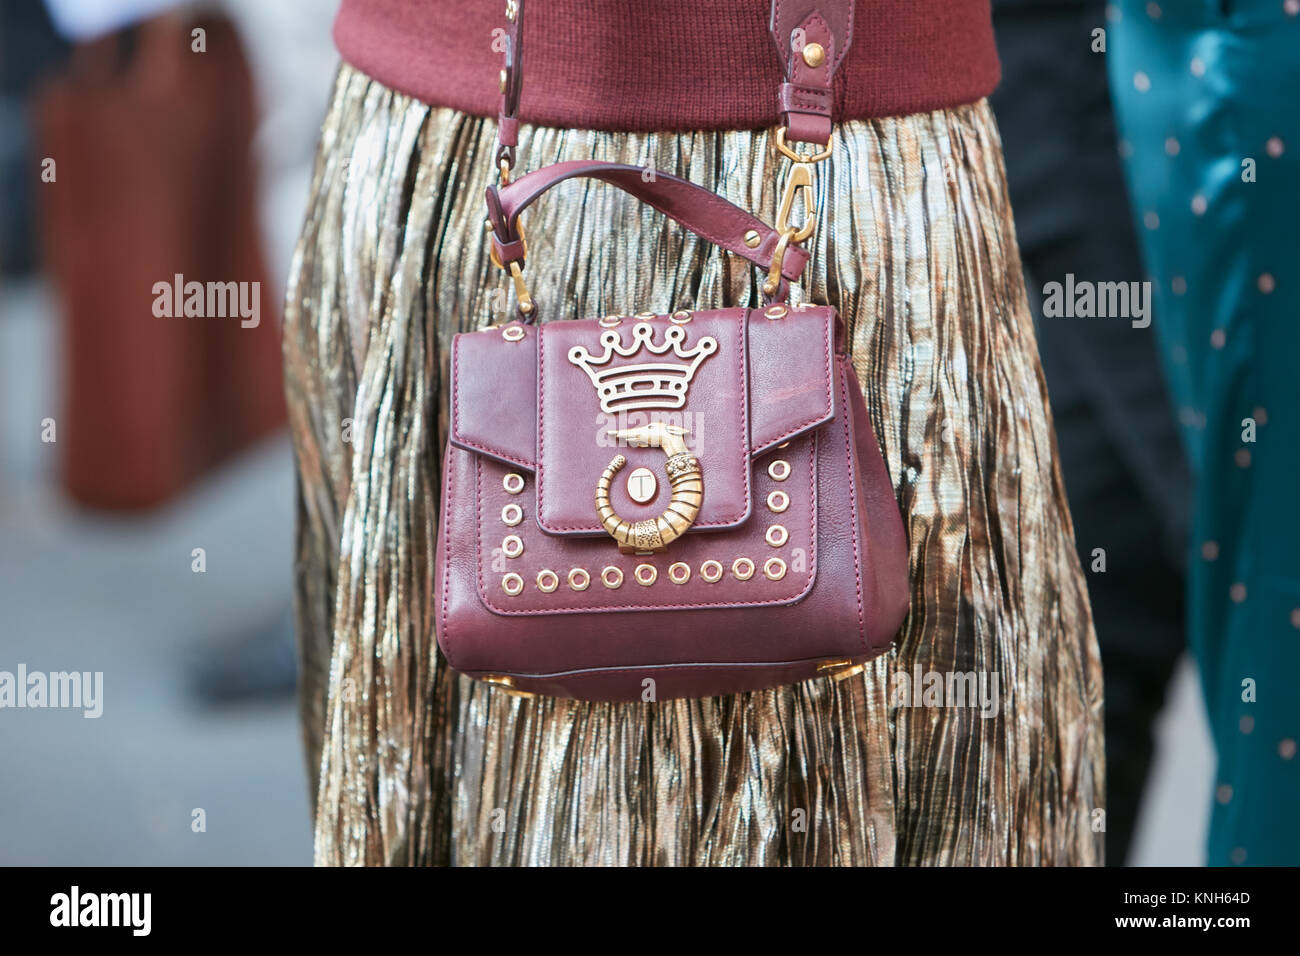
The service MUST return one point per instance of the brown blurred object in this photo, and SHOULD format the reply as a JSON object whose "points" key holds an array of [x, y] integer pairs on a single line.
{"points": [[155, 177]]}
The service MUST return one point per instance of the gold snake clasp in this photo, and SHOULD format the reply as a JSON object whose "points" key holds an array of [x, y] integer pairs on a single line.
{"points": [[683, 469]]}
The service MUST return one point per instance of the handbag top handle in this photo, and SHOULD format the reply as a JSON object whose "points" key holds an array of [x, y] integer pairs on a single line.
{"points": [[812, 38]]}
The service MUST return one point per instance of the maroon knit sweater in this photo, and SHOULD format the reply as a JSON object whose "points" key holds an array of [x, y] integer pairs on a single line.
{"points": [[664, 64]]}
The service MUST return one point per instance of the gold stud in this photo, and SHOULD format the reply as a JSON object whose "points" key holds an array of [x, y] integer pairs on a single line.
{"points": [[579, 579], [774, 569], [610, 321], [646, 574], [679, 572], [711, 571], [681, 317], [814, 54], [513, 483], [778, 501], [779, 470], [512, 333], [742, 568], [513, 546], [752, 238], [512, 584], [784, 444], [777, 535], [513, 514], [547, 580], [777, 312], [611, 577]]}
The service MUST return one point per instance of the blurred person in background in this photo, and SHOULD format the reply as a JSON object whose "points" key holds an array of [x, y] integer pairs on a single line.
{"points": [[29, 50], [1125, 472], [1205, 95], [144, 155], [163, 152]]}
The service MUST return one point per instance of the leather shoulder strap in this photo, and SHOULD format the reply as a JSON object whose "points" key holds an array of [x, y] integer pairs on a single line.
{"points": [[512, 84], [812, 38]]}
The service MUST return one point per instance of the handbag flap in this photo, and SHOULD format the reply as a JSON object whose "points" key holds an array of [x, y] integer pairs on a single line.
{"points": [[549, 398]]}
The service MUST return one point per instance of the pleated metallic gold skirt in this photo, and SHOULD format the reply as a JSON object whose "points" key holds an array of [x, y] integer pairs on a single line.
{"points": [[413, 764]]}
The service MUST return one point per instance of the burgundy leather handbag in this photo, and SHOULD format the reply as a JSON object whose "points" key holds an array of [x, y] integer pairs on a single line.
{"points": [[644, 507]]}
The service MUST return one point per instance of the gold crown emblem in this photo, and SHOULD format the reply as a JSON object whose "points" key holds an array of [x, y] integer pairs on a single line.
{"points": [[648, 384]]}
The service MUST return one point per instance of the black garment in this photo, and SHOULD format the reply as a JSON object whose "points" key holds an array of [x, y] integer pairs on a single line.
{"points": [[1125, 474], [29, 49]]}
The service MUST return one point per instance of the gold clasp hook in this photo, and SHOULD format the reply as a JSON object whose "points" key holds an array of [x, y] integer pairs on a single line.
{"points": [[516, 273], [521, 290], [816, 156], [798, 185], [773, 283]]}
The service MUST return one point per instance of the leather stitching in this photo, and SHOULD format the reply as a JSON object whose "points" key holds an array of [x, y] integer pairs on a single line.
{"points": [[735, 220], [796, 665], [715, 524], [457, 437], [813, 538], [830, 401], [857, 506], [443, 637]]}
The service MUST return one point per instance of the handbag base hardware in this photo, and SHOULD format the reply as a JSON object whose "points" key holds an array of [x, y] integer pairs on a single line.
{"points": [[839, 670], [506, 683]]}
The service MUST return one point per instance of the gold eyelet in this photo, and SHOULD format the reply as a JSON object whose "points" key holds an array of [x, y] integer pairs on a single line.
{"points": [[743, 569], [778, 501], [512, 333], [644, 316], [513, 483], [784, 444], [774, 569], [777, 312], [711, 571], [680, 317], [512, 546], [610, 321], [777, 535], [547, 580], [779, 470], [679, 572], [579, 579], [512, 515], [611, 577], [646, 574], [512, 584]]}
